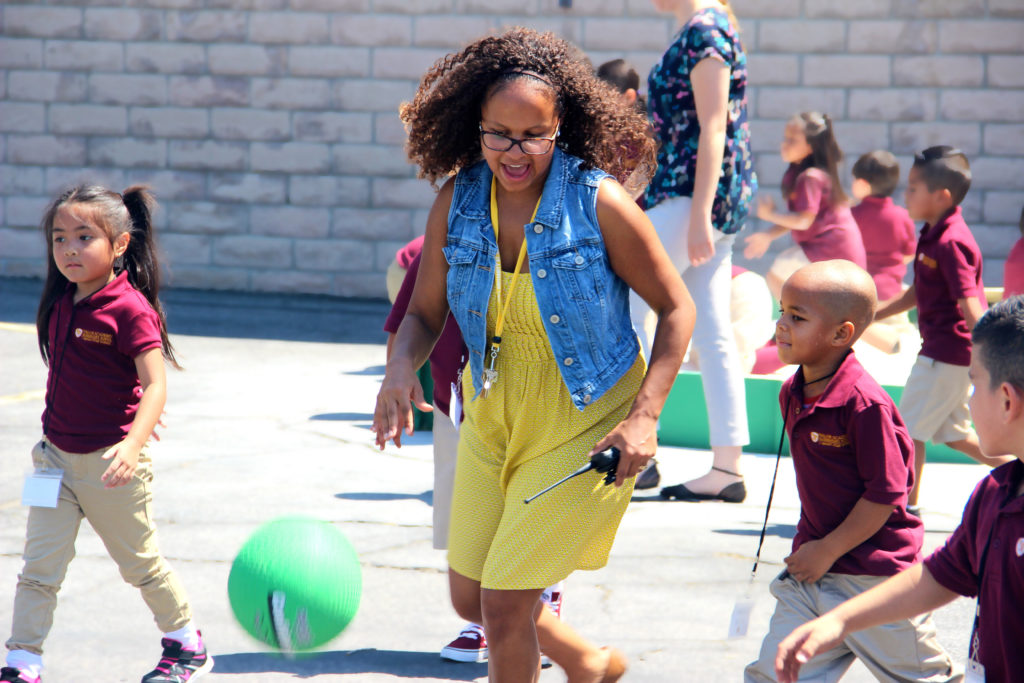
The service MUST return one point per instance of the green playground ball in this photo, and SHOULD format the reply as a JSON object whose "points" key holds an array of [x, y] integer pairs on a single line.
{"points": [[295, 583]]}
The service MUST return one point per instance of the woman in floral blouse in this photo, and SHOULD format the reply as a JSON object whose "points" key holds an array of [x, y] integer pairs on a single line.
{"points": [[698, 200]]}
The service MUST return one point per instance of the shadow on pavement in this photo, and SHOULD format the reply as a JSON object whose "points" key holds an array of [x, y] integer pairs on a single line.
{"points": [[427, 496], [398, 663], [780, 530], [346, 417], [238, 315]]}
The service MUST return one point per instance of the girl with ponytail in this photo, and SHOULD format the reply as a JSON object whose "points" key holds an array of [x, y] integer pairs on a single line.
{"points": [[103, 336], [819, 212]]}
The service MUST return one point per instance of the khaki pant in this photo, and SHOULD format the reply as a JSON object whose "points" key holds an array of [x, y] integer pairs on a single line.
{"points": [[122, 518], [446, 448], [905, 650]]}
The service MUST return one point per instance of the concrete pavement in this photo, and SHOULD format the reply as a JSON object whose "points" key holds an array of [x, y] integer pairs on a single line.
{"points": [[269, 418]]}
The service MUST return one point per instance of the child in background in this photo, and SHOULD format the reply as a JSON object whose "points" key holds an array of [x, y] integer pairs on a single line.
{"points": [[989, 536], [950, 298], [819, 219], [887, 230], [621, 75], [889, 237], [447, 360], [852, 456], [1013, 269], [102, 333]]}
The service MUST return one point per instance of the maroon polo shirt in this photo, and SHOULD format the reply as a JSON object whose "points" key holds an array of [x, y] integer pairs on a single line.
{"points": [[947, 267], [889, 236], [1013, 271], [995, 510], [851, 443], [92, 388], [834, 233], [449, 352]]}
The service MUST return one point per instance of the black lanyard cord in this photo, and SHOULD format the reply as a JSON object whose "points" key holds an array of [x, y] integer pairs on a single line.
{"points": [[771, 494]]}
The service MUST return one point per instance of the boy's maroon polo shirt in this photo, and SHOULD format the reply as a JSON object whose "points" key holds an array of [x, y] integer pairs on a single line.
{"points": [[92, 388], [889, 236], [449, 353], [947, 267], [993, 510], [851, 443]]}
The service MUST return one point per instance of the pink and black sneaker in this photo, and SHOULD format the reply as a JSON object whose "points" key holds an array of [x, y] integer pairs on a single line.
{"points": [[178, 665], [9, 674]]}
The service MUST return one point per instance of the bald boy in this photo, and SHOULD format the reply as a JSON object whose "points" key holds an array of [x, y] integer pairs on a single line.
{"points": [[854, 467]]}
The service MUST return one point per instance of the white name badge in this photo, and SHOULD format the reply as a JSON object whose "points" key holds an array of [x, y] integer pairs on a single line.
{"points": [[456, 408], [42, 488], [740, 617], [975, 672]]}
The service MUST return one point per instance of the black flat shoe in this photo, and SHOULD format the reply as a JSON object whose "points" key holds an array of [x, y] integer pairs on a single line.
{"points": [[649, 478], [733, 493]]}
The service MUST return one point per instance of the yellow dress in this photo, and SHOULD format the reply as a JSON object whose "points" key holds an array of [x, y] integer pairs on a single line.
{"points": [[523, 436]]}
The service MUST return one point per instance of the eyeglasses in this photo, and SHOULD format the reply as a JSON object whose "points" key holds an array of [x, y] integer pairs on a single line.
{"points": [[503, 143]]}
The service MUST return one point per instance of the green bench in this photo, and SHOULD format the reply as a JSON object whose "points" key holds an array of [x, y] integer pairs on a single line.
{"points": [[684, 421]]}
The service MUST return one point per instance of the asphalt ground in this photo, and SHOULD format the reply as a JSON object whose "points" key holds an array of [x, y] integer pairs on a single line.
{"points": [[270, 417]]}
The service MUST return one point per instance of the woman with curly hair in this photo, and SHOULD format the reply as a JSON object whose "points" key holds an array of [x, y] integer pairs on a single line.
{"points": [[533, 246]]}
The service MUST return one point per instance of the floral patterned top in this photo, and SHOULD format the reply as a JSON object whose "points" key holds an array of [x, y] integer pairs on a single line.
{"points": [[673, 113]]}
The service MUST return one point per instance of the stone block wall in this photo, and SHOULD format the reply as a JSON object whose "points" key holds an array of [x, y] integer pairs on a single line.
{"points": [[270, 133]]}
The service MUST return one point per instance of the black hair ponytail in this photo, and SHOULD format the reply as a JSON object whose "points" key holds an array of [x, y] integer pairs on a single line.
{"points": [[140, 259]]}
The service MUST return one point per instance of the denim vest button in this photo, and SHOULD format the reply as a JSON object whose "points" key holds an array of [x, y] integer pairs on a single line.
{"points": [[542, 273], [555, 319], [538, 228], [587, 398], [567, 361], [579, 260]]}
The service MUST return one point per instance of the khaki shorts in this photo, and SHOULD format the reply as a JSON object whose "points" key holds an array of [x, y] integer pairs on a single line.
{"points": [[902, 651], [934, 402]]}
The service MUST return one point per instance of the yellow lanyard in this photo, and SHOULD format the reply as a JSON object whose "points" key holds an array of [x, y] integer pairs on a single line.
{"points": [[490, 374]]}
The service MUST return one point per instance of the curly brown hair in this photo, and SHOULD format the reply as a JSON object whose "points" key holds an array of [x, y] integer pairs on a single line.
{"points": [[443, 118]]}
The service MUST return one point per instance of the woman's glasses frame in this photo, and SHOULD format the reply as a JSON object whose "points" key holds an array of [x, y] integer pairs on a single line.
{"points": [[503, 143]]}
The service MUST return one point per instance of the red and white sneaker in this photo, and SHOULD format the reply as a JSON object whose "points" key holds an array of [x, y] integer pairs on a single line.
{"points": [[469, 646], [553, 599]]}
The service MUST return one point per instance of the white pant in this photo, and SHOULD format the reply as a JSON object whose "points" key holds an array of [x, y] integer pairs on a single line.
{"points": [[710, 285]]}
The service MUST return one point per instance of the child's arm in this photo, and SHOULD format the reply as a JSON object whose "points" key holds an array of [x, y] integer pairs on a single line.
{"points": [[758, 242], [898, 304], [812, 559], [790, 221], [124, 456], [972, 310], [907, 594]]}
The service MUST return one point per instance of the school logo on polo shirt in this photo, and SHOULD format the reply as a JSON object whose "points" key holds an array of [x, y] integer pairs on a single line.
{"points": [[928, 261], [104, 338], [833, 440]]}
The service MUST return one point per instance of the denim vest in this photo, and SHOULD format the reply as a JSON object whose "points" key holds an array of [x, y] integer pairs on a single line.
{"points": [[583, 303]]}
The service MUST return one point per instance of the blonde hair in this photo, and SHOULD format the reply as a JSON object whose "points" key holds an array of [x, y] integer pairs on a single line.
{"points": [[732, 15]]}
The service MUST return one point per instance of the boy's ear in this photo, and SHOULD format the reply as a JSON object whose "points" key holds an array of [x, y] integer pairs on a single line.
{"points": [[946, 196], [1012, 400], [844, 334]]}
